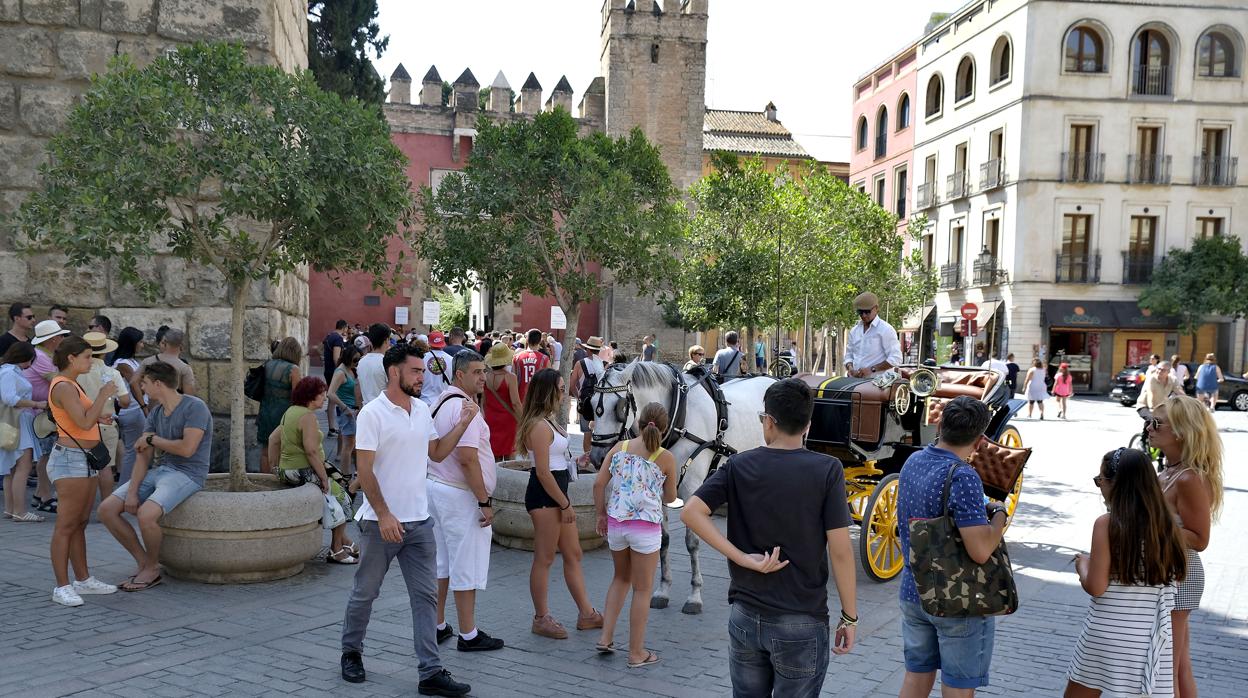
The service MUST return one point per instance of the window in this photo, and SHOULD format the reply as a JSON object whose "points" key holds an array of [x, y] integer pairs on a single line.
{"points": [[1150, 63], [899, 191], [1215, 56], [879, 190], [862, 133], [1076, 232], [1001, 59], [881, 132], [1085, 51], [964, 85], [992, 236], [1214, 167], [935, 96], [903, 112], [955, 244], [372, 300], [1208, 227], [1143, 237], [1148, 165], [928, 252]]}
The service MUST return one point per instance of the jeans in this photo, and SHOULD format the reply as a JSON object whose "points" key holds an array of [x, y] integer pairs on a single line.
{"points": [[960, 647], [130, 423], [776, 654], [417, 556]]}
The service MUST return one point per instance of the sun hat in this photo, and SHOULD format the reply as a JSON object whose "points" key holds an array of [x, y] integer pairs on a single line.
{"points": [[437, 340], [499, 355], [593, 343], [100, 343], [47, 329]]}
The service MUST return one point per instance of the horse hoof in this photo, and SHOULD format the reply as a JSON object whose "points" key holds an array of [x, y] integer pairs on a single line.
{"points": [[692, 609], [658, 602]]}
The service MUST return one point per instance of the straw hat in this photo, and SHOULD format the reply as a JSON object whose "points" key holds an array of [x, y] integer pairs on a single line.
{"points": [[499, 355], [100, 343], [593, 343]]}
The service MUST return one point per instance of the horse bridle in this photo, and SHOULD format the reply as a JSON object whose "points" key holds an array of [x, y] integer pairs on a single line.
{"points": [[630, 406]]}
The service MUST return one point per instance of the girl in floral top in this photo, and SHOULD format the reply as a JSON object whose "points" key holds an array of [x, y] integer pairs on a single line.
{"points": [[642, 477]]}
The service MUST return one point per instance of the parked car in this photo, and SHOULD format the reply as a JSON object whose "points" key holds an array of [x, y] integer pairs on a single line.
{"points": [[1125, 388]]}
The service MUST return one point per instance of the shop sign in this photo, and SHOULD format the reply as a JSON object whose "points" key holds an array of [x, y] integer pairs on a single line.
{"points": [[1080, 316]]}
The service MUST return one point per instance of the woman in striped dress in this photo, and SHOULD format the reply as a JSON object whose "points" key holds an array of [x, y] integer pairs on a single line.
{"points": [[1192, 483], [1137, 557]]}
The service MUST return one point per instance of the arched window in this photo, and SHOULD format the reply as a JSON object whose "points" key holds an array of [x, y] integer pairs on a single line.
{"points": [[935, 96], [881, 132], [903, 112], [1150, 63], [1001, 59], [1085, 51], [1215, 56], [964, 85], [862, 133]]}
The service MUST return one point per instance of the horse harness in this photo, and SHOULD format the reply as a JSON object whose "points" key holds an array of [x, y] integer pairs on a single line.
{"points": [[676, 409]]}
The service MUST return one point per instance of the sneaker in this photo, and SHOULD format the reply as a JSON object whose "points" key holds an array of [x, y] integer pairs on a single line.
{"points": [[590, 622], [547, 626], [445, 633], [66, 596], [480, 643], [352, 667], [91, 585], [441, 684]]}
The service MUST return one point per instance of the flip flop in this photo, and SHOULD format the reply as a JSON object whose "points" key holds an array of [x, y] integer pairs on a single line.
{"points": [[651, 658], [608, 648], [131, 585]]}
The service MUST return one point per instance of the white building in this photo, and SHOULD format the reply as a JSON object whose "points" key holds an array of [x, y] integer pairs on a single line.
{"points": [[1061, 149]]}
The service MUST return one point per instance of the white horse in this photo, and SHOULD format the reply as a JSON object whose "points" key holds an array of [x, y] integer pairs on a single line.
{"points": [[622, 392]]}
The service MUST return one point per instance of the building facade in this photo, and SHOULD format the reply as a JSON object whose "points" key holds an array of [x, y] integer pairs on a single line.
{"points": [[1061, 149]]}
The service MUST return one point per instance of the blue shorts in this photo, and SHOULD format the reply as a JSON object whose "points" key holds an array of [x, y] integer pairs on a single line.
{"points": [[165, 486], [66, 462], [346, 425], [961, 648]]}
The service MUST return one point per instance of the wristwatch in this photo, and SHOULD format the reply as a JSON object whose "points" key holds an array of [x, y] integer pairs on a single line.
{"points": [[149, 439], [489, 502]]}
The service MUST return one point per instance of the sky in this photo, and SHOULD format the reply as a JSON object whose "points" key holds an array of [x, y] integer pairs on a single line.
{"points": [[804, 55]]}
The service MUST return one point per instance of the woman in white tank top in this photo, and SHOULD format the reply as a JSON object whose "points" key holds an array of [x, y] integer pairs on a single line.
{"points": [[548, 504]]}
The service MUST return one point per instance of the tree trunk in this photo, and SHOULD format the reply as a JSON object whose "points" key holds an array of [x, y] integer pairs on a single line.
{"points": [[751, 333], [573, 317], [238, 373]]}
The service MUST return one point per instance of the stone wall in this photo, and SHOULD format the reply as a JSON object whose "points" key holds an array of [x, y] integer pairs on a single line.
{"points": [[48, 51]]}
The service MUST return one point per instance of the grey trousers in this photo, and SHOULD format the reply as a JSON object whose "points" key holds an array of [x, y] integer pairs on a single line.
{"points": [[417, 556], [130, 423]]}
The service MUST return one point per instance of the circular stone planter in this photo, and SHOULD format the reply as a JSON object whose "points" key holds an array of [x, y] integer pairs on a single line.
{"points": [[221, 537], [512, 526]]}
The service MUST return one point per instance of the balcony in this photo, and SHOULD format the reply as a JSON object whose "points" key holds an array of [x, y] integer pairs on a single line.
{"points": [[1078, 268], [1150, 80], [1148, 169], [1215, 172], [1136, 268], [986, 271], [927, 196], [992, 174], [956, 186], [950, 276], [881, 146], [1083, 167]]}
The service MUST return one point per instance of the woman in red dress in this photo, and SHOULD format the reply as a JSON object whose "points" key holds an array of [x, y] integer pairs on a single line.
{"points": [[501, 401]]}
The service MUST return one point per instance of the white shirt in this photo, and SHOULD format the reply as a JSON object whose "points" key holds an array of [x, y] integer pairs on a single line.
{"points": [[372, 376], [477, 435], [556, 349], [997, 365], [873, 345], [400, 441], [436, 375], [1179, 372]]}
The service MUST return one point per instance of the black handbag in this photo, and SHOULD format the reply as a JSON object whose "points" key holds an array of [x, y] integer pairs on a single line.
{"points": [[98, 456], [253, 384]]}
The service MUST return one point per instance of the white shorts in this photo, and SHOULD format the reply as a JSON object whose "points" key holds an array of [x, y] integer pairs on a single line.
{"points": [[641, 540], [463, 544]]}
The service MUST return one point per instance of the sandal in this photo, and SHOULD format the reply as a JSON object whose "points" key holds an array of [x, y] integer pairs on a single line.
{"points": [[651, 658], [342, 557], [608, 648], [48, 505], [27, 517], [131, 585], [354, 548]]}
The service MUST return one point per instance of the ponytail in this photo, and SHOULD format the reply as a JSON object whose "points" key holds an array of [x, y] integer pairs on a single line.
{"points": [[652, 422]]}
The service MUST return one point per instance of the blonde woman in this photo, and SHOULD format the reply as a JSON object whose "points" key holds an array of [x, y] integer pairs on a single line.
{"points": [[1192, 483], [696, 355], [548, 504]]}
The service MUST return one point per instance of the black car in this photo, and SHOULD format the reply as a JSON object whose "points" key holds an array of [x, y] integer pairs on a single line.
{"points": [[1125, 387]]}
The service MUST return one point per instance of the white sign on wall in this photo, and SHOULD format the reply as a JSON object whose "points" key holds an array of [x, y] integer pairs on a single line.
{"points": [[557, 319], [431, 312], [400, 315]]}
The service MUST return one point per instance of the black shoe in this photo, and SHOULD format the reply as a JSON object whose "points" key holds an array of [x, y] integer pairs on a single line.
{"points": [[441, 684], [480, 643], [352, 667], [445, 633]]}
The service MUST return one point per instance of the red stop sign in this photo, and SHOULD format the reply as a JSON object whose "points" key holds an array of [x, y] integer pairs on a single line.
{"points": [[970, 311]]}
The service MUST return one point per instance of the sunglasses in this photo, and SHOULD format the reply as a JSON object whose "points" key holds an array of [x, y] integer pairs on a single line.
{"points": [[1154, 424], [763, 417], [699, 353], [1100, 480], [865, 311]]}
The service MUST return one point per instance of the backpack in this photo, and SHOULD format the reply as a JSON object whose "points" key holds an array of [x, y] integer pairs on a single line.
{"points": [[253, 384], [585, 398]]}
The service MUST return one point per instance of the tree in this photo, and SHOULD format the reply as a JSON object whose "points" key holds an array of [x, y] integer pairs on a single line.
{"points": [[241, 168], [1211, 278], [540, 209], [454, 309], [340, 34]]}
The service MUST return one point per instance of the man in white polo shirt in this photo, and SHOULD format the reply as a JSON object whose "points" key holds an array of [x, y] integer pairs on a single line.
{"points": [[459, 501], [872, 347], [395, 439]]}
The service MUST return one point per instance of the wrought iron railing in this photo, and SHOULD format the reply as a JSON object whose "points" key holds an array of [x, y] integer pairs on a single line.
{"points": [[1150, 80], [927, 196], [1148, 169], [1083, 167], [956, 186], [1215, 172], [1136, 268], [950, 276], [986, 272], [992, 174], [1078, 268]]}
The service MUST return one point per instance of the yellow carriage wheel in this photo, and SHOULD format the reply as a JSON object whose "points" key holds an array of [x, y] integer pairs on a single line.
{"points": [[858, 494], [879, 540], [1010, 437]]}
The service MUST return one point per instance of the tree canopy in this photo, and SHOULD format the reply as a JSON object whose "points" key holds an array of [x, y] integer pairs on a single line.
{"points": [[340, 34], [240, 168], [1210, 278]]}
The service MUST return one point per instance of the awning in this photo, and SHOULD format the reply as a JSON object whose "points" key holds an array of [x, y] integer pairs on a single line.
{"points": [[1102, 315], [914, 321], [986, 311]]}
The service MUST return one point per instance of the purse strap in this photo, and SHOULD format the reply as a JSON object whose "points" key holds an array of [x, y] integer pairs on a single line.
{"points": [[944, 497]]}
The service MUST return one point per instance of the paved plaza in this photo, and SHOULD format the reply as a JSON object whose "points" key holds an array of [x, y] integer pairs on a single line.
{"points": [[183, 639]]}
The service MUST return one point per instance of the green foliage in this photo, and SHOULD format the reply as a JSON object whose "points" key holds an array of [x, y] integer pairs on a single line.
{"points": [[1211, 278], [483, 99], [340, 33], [454, 309]]}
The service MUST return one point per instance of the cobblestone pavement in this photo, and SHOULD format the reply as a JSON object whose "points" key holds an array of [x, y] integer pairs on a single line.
{"points": [[184, 639]]}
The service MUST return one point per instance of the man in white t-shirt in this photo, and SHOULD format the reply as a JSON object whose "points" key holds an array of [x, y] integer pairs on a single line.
{"points": [[437, 368], [556, 351], [370, 372], [395, 440]]}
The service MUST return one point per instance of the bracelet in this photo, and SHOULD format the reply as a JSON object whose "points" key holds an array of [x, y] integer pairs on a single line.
{"points": [[569, 506], [847, 621]]}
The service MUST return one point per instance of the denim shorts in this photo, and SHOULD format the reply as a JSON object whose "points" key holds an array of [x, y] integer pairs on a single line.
{"points": [[66, 462], [776, 654], [961, 648], [165, 486], [346, 425]]}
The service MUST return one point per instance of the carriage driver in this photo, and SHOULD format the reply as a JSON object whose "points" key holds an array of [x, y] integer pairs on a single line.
{"points": [[873, 347]]}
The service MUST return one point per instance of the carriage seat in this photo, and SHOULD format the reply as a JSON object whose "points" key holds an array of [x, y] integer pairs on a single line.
{"points": [[999, 467], [974, 384]]}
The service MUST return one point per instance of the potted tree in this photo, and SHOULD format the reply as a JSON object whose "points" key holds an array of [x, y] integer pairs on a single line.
{"points": [[253, 173]]}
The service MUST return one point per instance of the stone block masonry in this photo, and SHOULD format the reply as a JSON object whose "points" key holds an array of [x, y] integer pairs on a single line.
{"points": [[49, 49]]}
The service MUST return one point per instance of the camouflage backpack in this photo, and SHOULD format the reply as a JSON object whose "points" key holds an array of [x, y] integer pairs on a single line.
{"points": [[949, 582]]}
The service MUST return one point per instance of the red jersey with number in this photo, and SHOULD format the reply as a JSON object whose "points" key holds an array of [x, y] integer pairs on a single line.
{"points": [[526, 364]]}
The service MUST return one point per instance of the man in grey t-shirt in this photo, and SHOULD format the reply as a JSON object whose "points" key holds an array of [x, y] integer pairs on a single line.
{"points": [[179, 428], [728, 360]]}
